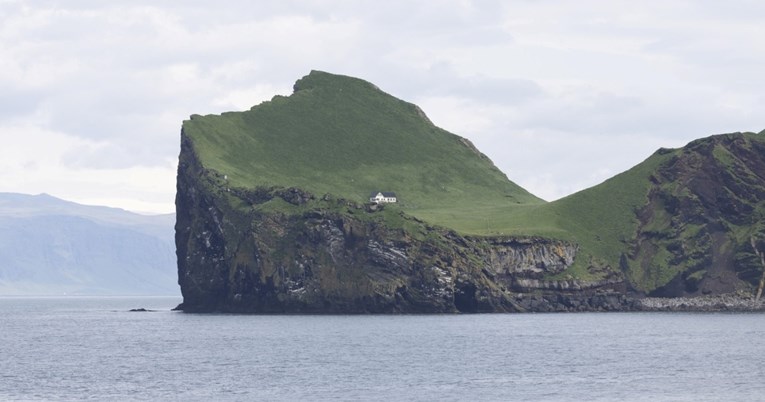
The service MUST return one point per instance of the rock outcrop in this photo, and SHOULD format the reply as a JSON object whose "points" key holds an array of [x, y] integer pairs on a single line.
{"points": [[271, 218], [704, 207], [335, 256]]}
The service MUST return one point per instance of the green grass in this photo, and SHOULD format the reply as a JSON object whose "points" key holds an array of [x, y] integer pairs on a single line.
{"points": [[602, 218], [343, 136]]}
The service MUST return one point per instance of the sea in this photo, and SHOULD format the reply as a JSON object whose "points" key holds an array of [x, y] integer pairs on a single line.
{"points": [[94, 348]]}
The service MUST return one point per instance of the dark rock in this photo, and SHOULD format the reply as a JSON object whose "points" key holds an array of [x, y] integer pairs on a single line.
{"points": [[689, 238], [329, 259], [686, 233], [336, 257]]}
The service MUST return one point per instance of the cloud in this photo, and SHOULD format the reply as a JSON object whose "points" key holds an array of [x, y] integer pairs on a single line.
{"points": [[17, 103], [33, 161], [559, 94]]}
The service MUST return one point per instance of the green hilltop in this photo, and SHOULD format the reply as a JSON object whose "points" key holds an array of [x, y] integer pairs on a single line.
{"points": [[344, 137]]}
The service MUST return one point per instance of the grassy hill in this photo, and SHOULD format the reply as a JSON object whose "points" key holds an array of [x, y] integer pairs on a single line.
{"points": [[602, 218], [680, 211], [343, 136]]}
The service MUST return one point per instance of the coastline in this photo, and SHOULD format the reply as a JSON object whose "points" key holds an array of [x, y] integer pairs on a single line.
{"points": [[731, 302]]}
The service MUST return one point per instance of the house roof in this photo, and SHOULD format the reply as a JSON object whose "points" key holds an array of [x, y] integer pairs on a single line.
{"points": [[384, 193]]}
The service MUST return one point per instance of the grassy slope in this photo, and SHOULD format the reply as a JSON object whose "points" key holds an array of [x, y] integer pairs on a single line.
{"points": [[602, 218], [343, 136]]}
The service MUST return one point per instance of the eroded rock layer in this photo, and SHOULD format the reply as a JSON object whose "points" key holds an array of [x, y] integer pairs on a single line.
{"points": [[336, 256], [271, 218]]}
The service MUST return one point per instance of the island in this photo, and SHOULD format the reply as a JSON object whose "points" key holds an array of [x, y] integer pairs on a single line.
{"points": [[289, 208]]}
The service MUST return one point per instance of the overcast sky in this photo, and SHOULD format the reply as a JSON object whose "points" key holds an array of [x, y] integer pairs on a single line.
{"points": [[560, 94]]}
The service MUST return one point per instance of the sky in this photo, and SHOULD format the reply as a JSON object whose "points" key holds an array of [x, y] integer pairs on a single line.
{"points": [[561, 95]]}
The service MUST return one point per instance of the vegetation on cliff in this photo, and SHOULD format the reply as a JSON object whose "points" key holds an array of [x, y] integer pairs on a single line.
{"points": [[679, 223], [271, 178]]}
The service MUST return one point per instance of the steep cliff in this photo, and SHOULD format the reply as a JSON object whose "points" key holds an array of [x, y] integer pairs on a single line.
{"points": [[288, 251], [705, 207], [271, 214], [272, 217], [681, 222]]}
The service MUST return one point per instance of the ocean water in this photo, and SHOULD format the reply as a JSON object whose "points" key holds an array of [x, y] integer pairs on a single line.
{"points": [[94, 349]]}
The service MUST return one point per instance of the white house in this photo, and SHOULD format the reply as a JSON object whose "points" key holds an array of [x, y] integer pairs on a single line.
{"points": [[379, 197]]}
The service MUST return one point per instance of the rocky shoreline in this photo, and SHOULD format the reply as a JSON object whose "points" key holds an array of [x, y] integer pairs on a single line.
{"points": [[599, 302], [733, 302], [619, 302]]}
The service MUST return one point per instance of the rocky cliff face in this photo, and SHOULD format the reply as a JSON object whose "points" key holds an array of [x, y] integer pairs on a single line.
{"points": [[270, 217], [704, 211], [286, 251]]}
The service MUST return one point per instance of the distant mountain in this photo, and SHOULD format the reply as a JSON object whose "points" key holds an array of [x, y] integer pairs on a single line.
{"points": [[51, 246]]}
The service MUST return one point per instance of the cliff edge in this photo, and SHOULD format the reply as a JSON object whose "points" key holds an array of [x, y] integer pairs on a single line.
{"points": [[273, 216]]}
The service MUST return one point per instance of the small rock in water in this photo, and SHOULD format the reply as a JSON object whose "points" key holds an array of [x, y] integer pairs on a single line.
{"points": [[134, 310]]}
